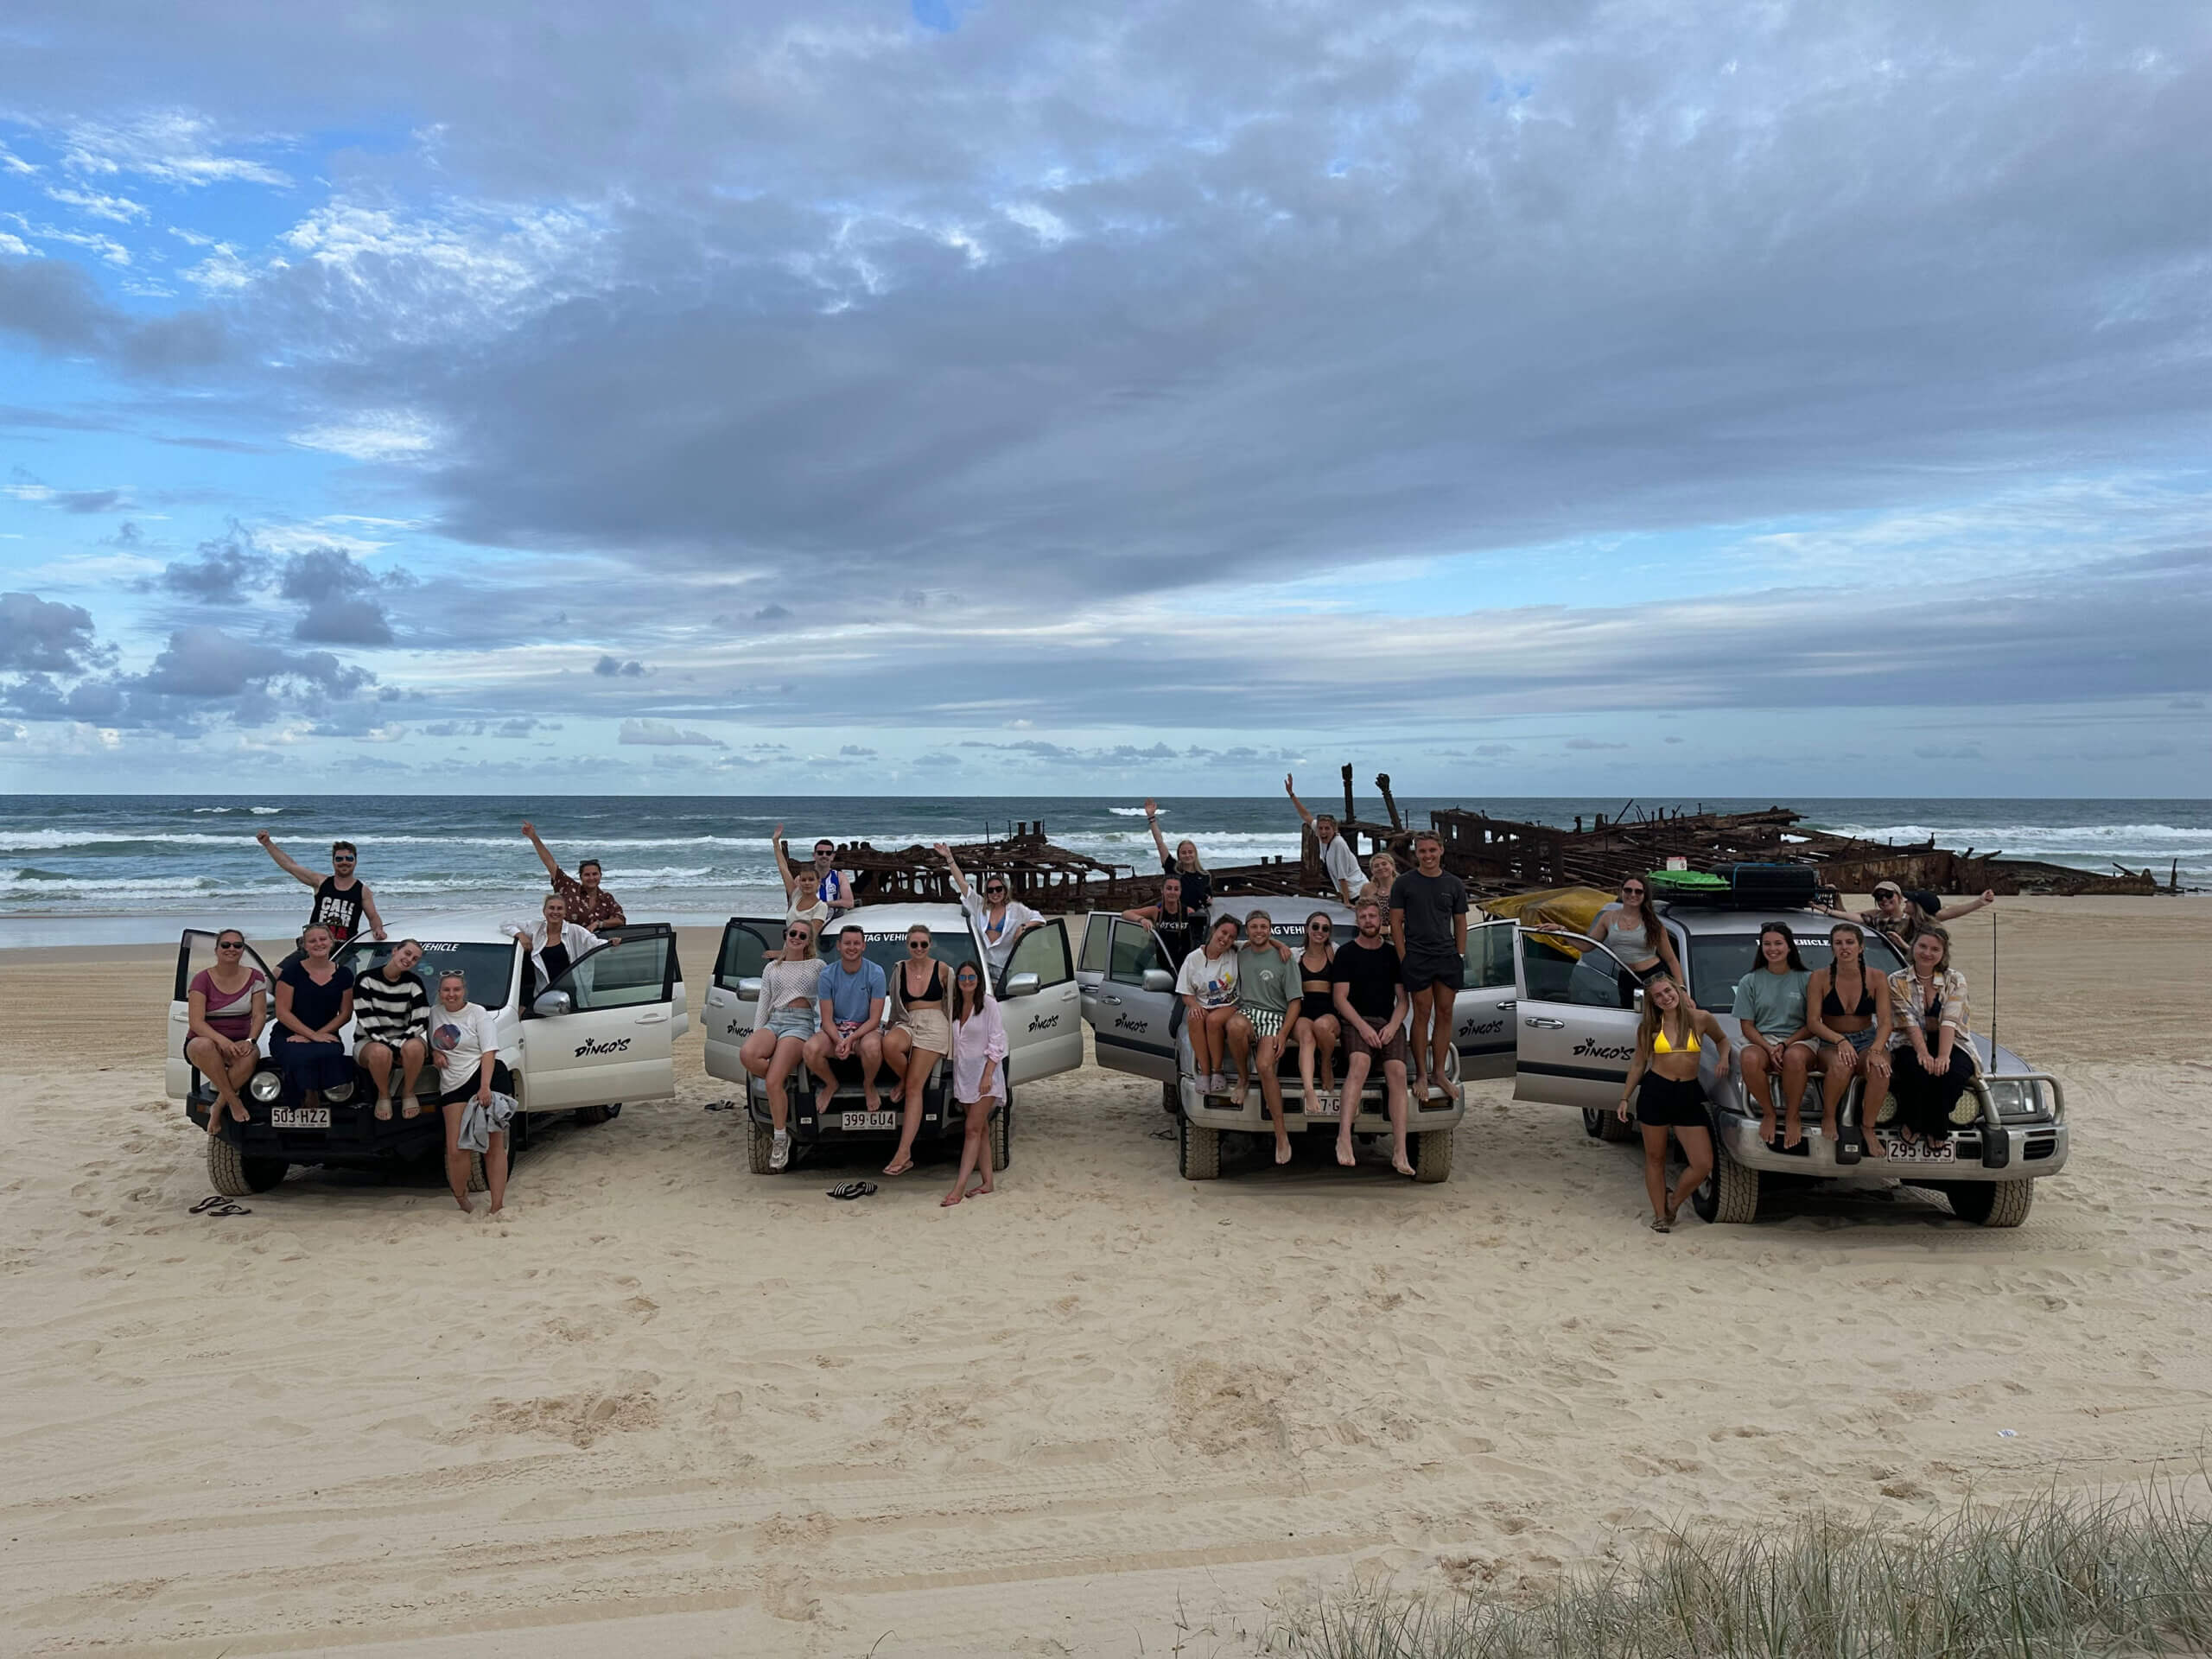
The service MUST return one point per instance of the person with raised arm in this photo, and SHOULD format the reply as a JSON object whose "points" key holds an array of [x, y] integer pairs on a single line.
{"points": [[1778, 1046], [1632, 931], [1669, 1040], [1902, 915], [978, 1077], [1428, 925], [228, 1004], [392, 1025], [819, 892], [1847, 1006], [341, 897], [315, 998], [1198, 885], [1180, 929], [789, 1015], [1369, 985], [589, 903], [999, 920], [1338, 862]]}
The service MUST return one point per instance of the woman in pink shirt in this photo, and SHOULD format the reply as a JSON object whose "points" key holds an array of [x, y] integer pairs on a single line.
{"points": [[978, 1074]]}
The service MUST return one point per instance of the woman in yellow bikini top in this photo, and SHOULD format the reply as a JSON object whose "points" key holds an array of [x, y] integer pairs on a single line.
{"points": [[1671, 1100]]}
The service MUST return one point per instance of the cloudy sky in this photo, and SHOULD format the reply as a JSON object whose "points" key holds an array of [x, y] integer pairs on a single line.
{"points": [[956, 395]]}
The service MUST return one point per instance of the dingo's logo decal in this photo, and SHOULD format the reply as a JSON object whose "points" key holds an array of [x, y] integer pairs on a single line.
{"points": [[587, 1046], [1597, 1051], [1045, 1022], [1123, 1022]]}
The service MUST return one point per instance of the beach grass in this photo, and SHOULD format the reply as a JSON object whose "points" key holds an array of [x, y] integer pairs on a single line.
{"points": [[2125, 1574]]}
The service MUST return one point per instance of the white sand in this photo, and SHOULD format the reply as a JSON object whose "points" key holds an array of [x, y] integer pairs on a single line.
{"points": [[669, 1407]]}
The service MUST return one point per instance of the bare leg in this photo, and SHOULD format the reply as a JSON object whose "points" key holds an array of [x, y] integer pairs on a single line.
{"points": [[1697, 1148], [495, 1170], [1217, 1036], [209, 1061], [1238, 1032], [1271, 1093], [1654, 1171], [974, 1146], [1325, 1033], [1874, 1090], [412, 1054], [897, 1042], [787, 1053], [1440, 1036], [1348, 1104], [377, 1058], [457, 1157], [241, 1074], [870, 1049], [818, 1061], [1837, 1065], [1794, 1070], [1203, 1057], [981, 1114], [1758, 1084], [1393, 1078], [1416, 1028], [916, 1083]]}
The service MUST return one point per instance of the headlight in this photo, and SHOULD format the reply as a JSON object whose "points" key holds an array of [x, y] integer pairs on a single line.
{"points": [[2017, 1098], [264, 1086], [339, 1093]]}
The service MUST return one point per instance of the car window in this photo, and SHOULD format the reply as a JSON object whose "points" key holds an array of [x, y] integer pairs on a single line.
{"points": [[745, 949], [1716, 961], [1042, 952], [1576, 972], [1134, 951], [489, 969], [624, 976], [1096, 934], [1490, 956]]}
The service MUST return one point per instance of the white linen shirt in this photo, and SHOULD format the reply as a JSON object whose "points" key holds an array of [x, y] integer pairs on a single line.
{"points": [[577, 939], [1341, 865], [997, 948], [974, 1041]]}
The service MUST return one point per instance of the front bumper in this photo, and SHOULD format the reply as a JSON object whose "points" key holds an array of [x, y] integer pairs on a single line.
{"points": [[1373, 1117], [2038, 1148]]}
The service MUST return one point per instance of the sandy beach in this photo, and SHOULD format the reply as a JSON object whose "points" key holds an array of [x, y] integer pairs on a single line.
{"points": [[669, 1407]]}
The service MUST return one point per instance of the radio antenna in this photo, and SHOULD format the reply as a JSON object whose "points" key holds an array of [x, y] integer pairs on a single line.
{"points": [[1993, 984]]}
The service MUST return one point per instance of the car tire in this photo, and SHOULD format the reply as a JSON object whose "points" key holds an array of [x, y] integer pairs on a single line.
{"points": [[1593, 1123], [477, 1181], [589, 1115], [1991, 1204], [1611, 1130], [1002, 1135], [1730, 1193], [234, 1175], [1171, 1099], [1198, 1151], [761, 1144], [1433, 1157]]}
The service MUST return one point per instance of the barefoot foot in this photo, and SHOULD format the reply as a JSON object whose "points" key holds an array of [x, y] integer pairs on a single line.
{"points": [[1282, 1149], [1344, 1154], [950, 1198]]}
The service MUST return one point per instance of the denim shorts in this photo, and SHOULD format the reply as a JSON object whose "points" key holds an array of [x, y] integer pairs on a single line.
{"points": [[793, 1022]]}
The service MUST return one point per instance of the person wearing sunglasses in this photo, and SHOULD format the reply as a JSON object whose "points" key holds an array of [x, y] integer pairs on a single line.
{"points": [[817, 892], [229, 1004], [919, 1037], [978, 1076], [850, 993], [1631, 931], [341, 899], [1903, 917], [1313, 1024], [788, 1018], [999, 918]]}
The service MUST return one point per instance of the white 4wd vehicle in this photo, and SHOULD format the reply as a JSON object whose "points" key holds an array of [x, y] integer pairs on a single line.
{"points": [[1037, 1000], [1128, 998], [1577, 1035], [601, 1035]]}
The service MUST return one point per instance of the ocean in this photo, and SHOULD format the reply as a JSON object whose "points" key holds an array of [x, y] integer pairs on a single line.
{"points": [[112, 868]]}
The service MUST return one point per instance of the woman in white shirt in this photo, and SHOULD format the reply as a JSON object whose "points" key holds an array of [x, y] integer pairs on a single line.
{"points": [[978, 1075], [466, 1040], [555, 943], [789, 1016], [1208, 988]]}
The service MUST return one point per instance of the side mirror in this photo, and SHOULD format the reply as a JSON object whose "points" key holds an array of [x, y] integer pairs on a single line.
{"points": [[1635, 1001], [1159, 979], [1021, 985], [748, 990], [551, 1003]]}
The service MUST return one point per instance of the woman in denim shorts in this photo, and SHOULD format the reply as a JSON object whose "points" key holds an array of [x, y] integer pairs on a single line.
{"points": [[789, 1015]]}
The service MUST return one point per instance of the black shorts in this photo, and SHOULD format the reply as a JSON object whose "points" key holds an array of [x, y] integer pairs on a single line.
{"points": [[503, 1083], [1665, 1103], [1421, 972], [1378, 1057]]}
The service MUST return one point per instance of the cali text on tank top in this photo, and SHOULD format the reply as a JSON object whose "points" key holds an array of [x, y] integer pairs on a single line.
{"points": [[338, 912]]}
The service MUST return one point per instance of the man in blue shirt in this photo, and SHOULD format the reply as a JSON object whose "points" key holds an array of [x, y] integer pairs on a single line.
{"points": [[853, 990]]}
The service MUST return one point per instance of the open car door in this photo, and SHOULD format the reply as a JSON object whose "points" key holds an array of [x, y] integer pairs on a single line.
{"points": [[1044, 1029], [1129, 1024], [195, 950], [733, 1005], [1483, 1021], [1577, 1026], [613, 1043]]}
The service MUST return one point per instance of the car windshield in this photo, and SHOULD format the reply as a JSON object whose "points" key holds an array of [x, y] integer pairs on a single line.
{"points": [[889, 951], [489, 969], [1719, 960]]}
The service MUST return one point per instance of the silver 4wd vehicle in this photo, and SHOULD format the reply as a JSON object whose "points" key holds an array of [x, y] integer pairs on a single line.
{"points": [[601, 1035], [1037, 1002], [1136, 1024], [1577, 1035]]}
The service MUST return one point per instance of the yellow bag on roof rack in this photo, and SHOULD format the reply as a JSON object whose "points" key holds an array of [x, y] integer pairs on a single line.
{"points": [[1571, 908]]}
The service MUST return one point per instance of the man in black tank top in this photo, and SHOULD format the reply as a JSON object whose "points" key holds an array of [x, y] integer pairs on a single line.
{"points": [[340, 898]]}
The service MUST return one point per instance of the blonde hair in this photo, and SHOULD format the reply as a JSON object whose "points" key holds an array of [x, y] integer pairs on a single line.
{"points": [[1649, 1027]]}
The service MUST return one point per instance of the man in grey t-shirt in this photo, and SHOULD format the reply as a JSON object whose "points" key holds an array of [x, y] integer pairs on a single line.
{"points": [[1428, 923]]}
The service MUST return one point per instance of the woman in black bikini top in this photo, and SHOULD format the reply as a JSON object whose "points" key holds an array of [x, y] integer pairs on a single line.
{"points": [[1854, 1040], [1313, 1024], [921, 1036]]}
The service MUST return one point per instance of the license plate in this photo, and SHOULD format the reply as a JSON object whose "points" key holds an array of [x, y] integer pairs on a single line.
{"points": [[869, 1121], [1923, 1151], [299, 1117]]}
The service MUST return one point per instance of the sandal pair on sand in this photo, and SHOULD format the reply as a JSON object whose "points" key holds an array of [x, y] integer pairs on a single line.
{"points": [[216, 1205]]}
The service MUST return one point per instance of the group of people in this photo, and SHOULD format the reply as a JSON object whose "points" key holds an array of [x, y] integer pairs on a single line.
{"points": [[1906, 1037]]}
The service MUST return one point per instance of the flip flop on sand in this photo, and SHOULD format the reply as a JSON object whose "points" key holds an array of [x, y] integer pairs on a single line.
{"points": [[854, 1190]]}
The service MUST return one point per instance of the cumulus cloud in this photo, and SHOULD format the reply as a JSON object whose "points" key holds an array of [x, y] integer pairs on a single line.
{"points": [[613, 668], [38, 636], [343, 597], [221, 570], [660, 734]]}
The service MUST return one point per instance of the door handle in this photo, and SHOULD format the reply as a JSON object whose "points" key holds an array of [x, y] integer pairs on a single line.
{"points": [[1507, 1007], [657, 1017], [1115, 1002], [1546, 1025]]}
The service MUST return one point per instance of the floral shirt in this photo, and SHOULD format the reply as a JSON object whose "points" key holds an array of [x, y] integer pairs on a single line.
{"points": [[588, 910]]}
